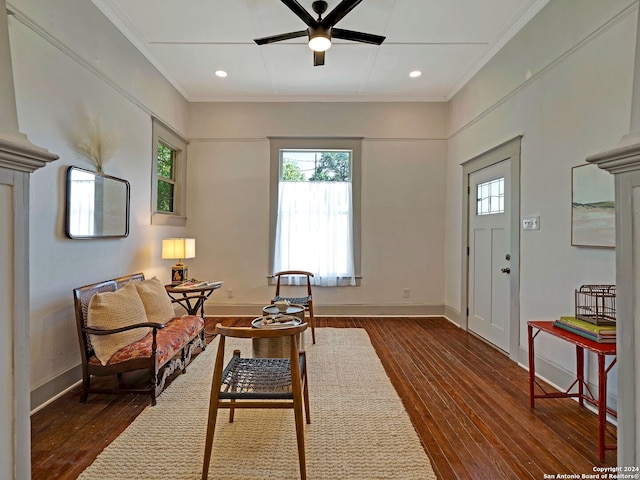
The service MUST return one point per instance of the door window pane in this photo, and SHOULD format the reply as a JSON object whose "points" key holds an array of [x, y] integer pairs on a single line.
{"points": [[490, 197]]}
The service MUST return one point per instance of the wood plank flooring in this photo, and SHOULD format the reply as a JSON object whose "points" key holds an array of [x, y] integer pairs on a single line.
{"points": [[468, 402]]}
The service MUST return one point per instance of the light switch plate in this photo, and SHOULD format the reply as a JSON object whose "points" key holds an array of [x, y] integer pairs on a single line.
{"points": [[531, 223]]}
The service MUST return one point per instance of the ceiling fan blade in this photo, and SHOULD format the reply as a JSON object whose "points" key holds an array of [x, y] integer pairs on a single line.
{"points": [[339, 12], [318, 59], [281, 37], [357, 36], [301, 12]]}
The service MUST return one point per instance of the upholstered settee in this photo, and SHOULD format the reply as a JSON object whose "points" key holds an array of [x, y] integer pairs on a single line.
{"points": [[128, 324]]}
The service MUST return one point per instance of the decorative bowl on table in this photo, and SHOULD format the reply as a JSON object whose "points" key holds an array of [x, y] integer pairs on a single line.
{"points": [[275, 321], [282, 305]]}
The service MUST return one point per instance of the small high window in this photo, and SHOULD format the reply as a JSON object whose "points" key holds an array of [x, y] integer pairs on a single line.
{"points": [[169, 177], [166, 178]]}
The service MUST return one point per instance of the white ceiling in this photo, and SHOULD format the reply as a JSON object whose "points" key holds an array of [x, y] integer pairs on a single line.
{"points": [[448, 40]]}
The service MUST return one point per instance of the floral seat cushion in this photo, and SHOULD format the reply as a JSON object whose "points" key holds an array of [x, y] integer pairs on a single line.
{"points": [[175, 334]]}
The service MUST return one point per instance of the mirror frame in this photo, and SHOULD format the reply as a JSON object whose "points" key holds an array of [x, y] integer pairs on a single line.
{"points": [[126, 213]]}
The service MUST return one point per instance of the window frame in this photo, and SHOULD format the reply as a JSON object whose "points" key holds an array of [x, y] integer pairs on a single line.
{"points": [[321, 144], [161, 133]]}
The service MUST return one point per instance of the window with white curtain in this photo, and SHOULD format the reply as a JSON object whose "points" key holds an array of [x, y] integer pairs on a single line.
{"points": [[315, 214]]}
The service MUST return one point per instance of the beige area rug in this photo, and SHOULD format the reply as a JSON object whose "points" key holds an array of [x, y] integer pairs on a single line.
{"points": [[359, 429]]}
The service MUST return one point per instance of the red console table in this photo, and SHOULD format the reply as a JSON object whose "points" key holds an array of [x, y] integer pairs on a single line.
{"points": [[583, 393]]}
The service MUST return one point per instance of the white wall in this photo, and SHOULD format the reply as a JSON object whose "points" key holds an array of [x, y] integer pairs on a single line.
{"points": [[564, 83], [69, 60], [403, 192]]}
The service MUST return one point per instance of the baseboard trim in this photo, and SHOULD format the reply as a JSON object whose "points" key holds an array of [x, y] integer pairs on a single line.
{"points": [[54, 388], [226, 310], [452, 315]]}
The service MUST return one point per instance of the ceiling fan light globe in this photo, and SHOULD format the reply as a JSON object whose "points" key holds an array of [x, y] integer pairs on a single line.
{"points": [[319, 42]]}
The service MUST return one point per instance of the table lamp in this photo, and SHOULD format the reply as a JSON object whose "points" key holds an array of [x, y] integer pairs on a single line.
{"points": [[179, 248]]}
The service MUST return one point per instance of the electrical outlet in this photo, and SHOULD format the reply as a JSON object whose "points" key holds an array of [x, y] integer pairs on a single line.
{"points": [[230, 293], [406, 293]]}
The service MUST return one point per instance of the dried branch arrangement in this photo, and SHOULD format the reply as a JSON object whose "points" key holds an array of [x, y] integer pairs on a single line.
{"points": [[95, 143]]}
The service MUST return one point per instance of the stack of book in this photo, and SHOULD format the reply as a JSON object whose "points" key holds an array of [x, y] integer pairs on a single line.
{"points": [[196, 284], [597, 333]]}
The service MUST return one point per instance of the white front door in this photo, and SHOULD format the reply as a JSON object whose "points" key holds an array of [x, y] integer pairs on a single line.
{"points": [[490, 253]]}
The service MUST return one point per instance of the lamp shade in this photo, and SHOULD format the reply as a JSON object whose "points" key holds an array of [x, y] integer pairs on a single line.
{"points": [[179, 248]]}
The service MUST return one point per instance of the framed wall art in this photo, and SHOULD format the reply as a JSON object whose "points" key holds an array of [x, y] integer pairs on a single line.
{"points": [[593, 214]]}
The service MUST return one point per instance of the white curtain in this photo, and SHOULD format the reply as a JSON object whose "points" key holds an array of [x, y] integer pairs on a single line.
{"points": [[314, 231]]}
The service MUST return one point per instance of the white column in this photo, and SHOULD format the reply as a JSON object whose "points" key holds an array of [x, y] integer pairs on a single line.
{"points": [[624, 162], [18, 159]]}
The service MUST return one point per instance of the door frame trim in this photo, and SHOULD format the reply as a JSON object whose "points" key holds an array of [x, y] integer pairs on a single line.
{"points": [[509, 149]]}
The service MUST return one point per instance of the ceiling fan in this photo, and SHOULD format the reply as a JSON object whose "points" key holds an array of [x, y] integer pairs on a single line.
{"points": [[322, 30]]}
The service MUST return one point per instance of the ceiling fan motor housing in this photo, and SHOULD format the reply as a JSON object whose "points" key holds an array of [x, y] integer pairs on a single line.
{"points": [[319, 6]]}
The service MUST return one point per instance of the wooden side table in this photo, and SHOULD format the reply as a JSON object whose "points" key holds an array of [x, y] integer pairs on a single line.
{"points": [[191, 299], [276, 347], [602, 350]]}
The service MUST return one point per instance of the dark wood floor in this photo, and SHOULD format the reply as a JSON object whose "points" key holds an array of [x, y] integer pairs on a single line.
{"points": [[468, 403]]}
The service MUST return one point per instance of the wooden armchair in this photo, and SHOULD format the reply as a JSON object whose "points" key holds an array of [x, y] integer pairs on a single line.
{"points": [[306, 301], [259, 383]]}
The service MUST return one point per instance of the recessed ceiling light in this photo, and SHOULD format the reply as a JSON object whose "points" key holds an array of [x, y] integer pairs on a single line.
{"points": [[221, 73], [415, 73]]}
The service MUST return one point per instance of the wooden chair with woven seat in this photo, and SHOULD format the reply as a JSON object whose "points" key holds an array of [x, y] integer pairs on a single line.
{"points": [[259, 383], [306, 302]]}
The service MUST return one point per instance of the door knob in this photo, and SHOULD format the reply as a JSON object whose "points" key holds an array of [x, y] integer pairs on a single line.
{"points": [[505, 270]]}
